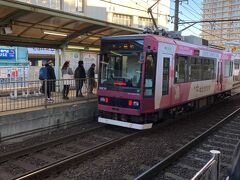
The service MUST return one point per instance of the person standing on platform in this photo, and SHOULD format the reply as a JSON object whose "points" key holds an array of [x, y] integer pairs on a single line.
{"points": [[42, 77], [91, 76], [51, 80], [79, 76], [67, 76]]}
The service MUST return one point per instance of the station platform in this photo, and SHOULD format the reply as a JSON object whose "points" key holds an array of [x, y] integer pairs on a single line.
{"points": [[28, 119]]}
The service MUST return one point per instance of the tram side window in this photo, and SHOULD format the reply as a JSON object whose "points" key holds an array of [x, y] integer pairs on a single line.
{"points": [[149, 76], [194, 66], [165, 84], [228, 68], [180, 69], [208, 69]]}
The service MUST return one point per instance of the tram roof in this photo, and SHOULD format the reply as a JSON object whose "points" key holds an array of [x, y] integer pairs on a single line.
{"points": [[29, 24], [164, 40]]}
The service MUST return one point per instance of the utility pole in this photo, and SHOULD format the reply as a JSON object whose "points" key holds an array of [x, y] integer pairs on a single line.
{"points": [[176, 15]]}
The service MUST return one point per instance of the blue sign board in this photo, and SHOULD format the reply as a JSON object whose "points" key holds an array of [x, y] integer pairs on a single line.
{"points": [[7, 53]]}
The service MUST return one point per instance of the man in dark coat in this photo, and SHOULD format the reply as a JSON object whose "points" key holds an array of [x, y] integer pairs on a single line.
{"points": [[91, 76], [79, 76], [51, 80]]}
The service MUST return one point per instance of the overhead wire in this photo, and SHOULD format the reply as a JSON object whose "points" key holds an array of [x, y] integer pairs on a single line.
{"points": [[138, 4], [197, 5], [145, 7], [131, 7], [204, 30], [202, 11], [189, 29], [190, 11], [160, 14], [194, 26], [161, 4]]}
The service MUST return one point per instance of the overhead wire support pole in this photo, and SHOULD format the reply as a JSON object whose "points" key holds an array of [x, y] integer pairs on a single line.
{"points": [[176, 15]]}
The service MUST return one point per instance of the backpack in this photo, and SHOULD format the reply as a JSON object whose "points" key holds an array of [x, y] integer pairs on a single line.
{"points": [[43, 73]]}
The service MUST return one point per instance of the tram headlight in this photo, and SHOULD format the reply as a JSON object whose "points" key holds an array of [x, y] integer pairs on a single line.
{"points": [[136, 103], [102, 99]]}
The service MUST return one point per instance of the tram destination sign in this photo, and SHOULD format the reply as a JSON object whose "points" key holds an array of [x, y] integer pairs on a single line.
{"points": [[124, 45], [7, 53]]}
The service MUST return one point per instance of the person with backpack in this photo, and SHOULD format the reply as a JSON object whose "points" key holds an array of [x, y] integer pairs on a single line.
{"points": [[79, 76], [42, 77], [91, 80], [67, 76]]}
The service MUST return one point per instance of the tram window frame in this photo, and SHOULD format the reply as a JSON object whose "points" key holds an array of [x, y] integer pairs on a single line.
{"points": [[187, 69], [212, 75], [197, 62], [166, 76], [145, 93], [185, 76], [230, 72]]}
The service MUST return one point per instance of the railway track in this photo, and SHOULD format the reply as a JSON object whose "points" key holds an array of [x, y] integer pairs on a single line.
{"points": [[191, 157], [38, 161], [53, 156], [117, 163]]}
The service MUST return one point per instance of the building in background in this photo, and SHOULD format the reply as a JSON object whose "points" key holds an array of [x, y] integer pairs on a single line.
{"points": [[128, 12], [220, 32]]}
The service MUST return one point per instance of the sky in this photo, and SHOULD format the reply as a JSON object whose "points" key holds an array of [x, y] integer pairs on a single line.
{"points": [[190, 10]]}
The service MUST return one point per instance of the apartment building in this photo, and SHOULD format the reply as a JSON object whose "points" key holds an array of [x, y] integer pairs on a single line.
{"points": [[131, 13], [220, 32]]}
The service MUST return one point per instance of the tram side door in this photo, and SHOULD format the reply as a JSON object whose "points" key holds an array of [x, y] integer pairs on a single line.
{"points": [[166, 79], [149, 82], [219, 76], [163, 81]]}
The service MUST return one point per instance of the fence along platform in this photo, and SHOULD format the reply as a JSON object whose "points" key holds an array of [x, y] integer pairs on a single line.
{"points": [[28, 94]]}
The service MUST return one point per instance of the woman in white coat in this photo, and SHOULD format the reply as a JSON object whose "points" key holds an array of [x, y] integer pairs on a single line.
{"points": [[67, 75]]}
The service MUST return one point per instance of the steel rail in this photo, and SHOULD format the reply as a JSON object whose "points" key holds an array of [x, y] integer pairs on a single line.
{"points": [[24, 151], [75, 158], [153, 171]]}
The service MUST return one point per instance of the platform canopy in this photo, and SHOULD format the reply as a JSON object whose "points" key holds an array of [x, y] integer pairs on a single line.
{"points": [[29, 25]]}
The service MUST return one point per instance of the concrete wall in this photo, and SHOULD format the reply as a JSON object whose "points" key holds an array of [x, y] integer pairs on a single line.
{"points": [[26, 121]]}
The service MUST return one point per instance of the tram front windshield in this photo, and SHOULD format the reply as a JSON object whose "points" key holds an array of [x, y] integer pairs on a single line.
{"points": [[121, 67]]}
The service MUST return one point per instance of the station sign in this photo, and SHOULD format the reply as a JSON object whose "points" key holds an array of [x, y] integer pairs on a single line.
{"points": [[46, 51], [7, 53]]}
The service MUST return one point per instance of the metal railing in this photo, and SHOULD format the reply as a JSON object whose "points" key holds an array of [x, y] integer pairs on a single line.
{"points": [[234, 170], [29, 94], [211, 170]]}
